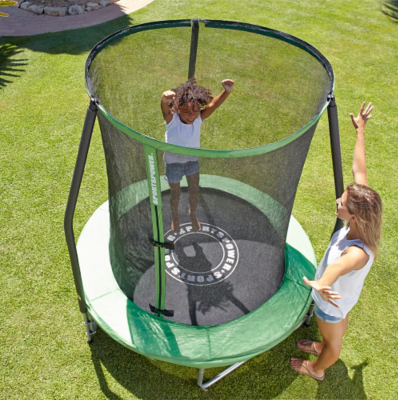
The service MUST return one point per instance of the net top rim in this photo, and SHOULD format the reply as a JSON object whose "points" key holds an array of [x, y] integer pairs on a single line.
{"points": [[209, 23]]}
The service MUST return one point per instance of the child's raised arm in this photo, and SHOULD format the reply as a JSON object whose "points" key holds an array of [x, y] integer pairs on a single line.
{"points": [[228, 86], [359, 163], [167, 97]]}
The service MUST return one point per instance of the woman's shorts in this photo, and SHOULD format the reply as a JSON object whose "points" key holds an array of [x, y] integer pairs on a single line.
{"points": [[175, 171], [325, 317]]}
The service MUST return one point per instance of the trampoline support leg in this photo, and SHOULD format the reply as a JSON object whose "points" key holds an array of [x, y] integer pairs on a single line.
{"points": [[201, 374], [88, 127], [91, 327], [310, 313], [218, 377]]}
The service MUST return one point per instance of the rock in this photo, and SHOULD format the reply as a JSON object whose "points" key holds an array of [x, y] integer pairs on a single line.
{"points": [[25, 5], [105, 3], [114, 1], [35, 9], [55, 11], [75, 10], [92, 6]]}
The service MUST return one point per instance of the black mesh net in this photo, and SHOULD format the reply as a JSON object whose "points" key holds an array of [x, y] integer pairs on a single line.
{"points": [[233, 262]]}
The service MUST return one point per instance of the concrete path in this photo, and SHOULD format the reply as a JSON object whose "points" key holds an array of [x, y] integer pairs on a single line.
{"points": [[24, 23]]}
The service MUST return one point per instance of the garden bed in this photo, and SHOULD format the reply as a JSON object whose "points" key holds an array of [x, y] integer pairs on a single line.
{"points": [[62, 8]]}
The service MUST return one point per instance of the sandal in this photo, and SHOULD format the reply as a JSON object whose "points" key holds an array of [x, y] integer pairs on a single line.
{"points": [[304, 342], [307, 371]]}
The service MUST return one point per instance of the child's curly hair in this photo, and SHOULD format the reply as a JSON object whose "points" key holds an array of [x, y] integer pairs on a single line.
{"points": [[190, 92]]}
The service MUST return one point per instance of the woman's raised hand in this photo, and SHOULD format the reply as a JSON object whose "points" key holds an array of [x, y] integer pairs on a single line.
{"points": [[359, 122]]}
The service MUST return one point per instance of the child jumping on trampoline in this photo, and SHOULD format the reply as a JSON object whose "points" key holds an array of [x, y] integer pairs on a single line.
{"points": [[184, 109], [342, 271]]}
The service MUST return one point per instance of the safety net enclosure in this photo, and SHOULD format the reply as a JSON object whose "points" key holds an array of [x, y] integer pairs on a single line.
{"points": [[232, 288]]}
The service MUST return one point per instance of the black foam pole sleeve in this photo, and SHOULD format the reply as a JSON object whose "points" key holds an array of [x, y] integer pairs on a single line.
{"points": [[72, 199], [336, 153], [194, 48]]}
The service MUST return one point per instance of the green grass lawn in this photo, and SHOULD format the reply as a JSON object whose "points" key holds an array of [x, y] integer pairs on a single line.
{"points": [[43, 103]]}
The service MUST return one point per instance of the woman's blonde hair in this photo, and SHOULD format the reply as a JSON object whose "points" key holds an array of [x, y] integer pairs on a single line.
{"points": [[365, 204]]}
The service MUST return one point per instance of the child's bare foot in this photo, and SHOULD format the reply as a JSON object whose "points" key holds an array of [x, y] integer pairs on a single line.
{"points": [[194, 221], [175, 225]]}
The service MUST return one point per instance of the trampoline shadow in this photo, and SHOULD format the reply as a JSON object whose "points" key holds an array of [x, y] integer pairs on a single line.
{"points": [[267, 375]]}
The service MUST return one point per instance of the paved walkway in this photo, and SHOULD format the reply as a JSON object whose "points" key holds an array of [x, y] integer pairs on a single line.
{"points": [[24, 23]]}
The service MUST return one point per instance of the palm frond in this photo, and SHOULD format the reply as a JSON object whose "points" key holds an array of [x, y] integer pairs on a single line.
{"points": [[390, 8]]}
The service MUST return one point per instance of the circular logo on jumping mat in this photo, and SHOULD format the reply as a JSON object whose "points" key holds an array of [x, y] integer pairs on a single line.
{"points": [[201, 258]]}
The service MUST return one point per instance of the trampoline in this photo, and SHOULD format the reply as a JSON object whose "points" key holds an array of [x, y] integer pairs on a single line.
{"points": [[233, 289]]}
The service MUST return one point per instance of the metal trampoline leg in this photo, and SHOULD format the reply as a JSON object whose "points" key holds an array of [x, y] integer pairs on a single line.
{"points": [[218, 377], [201, 373], [72, 200], [91, 328], [310, 313]]}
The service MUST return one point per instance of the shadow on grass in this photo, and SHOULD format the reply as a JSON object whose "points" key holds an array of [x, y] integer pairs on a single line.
{"points": [[152, 379], [73, 42], [9, 67], [339, 385], [265, 376]]}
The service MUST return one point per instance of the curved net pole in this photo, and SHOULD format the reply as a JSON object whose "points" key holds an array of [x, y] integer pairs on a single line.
{"points": [[336, 153], [70, 210], [194, 48], [337, 172]]}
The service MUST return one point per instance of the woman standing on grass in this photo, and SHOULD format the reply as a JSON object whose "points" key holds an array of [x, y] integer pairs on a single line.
{"points": [[343, 269]]}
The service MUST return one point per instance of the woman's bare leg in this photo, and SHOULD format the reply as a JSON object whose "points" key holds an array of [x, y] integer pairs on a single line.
{"points": [[193, 189], [174, 202], [329, 348], [332, 340]]}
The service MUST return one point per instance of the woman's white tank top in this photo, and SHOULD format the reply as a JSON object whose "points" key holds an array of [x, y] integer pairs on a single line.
{"points": [[348, 286]]}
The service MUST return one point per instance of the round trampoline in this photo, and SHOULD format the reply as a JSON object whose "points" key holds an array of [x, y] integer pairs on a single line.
{"points": [[222, 294]]}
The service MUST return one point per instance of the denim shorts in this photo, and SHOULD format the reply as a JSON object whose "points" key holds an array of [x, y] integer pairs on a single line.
{"points": [[325, 317], [175, 171]]}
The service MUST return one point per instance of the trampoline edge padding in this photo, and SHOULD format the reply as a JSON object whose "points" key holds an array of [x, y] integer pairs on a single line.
{"points": [[193, 346]]}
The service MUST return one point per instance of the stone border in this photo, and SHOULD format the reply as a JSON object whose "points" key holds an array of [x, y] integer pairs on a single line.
{"points": [[74, 9]]}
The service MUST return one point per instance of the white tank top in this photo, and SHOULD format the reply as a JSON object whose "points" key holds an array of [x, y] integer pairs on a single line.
{"points": [[348, 286], [183, 135]]}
